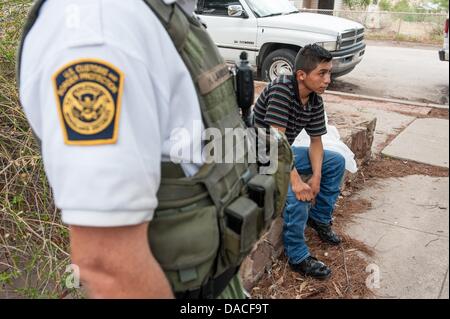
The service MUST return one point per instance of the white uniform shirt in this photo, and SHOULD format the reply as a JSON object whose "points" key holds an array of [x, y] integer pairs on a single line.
{"points": [[113, 184]]}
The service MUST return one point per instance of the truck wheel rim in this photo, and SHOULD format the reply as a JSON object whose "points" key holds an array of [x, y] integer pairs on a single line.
{"points": [[279, 68]]}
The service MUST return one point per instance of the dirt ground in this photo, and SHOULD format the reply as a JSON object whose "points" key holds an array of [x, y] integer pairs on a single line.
{"points": [[347, 261], [439, 113]]}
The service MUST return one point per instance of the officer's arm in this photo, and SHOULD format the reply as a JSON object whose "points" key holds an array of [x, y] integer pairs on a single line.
{"points": [[117, 263]]}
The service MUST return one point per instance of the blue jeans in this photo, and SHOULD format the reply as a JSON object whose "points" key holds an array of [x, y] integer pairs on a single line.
{"points": [[296, 212]]}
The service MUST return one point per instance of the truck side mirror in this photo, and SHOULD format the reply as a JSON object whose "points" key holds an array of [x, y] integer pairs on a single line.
{"points": [[236, 11]]}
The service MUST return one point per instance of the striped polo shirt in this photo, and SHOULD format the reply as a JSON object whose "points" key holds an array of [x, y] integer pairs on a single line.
{"points": [[279, 104]]}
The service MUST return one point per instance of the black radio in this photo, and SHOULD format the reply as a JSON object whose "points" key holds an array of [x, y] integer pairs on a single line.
{"points": [[245, 89]]}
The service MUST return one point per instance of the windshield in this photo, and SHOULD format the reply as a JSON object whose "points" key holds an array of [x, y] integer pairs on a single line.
{"points": [[265, 8]]}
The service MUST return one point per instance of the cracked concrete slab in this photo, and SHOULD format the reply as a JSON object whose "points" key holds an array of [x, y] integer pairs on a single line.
{"points": [[411, 264], [413, 202], [424, 141], [408, 226], [388, 123]]}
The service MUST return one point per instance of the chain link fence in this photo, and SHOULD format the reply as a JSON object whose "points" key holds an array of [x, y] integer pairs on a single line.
{"points": [[399, 26]]}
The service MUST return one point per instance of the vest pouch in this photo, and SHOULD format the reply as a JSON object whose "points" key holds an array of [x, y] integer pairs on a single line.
{"points": [[261, 190], [283, 175], [241, 232], [185, 242], [285, 164], [284, 160]]}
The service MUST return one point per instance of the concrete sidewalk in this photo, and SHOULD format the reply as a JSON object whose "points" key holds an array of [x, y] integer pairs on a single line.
{"points": [[424, 141], [408, 224], [408, 227]]}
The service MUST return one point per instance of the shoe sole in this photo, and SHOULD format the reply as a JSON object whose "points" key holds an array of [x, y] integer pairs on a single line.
{"points": [[310, 276], [319, 278], [324, 240], [330, 242]]}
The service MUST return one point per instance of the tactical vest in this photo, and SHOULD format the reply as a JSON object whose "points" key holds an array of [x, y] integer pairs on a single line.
{"points": [[207, 224]]}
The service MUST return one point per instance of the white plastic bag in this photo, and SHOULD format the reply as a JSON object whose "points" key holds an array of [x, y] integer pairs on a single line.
{"points": [[332, 142]]}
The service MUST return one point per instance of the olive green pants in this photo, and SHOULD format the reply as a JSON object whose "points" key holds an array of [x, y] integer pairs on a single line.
{"points": [[234, 290]]}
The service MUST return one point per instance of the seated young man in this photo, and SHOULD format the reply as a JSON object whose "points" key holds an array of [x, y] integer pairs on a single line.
{"points": [[290, 104]]}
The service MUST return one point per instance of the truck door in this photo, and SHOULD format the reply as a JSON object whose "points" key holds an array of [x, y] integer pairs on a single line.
{"points": [[231, 34]]}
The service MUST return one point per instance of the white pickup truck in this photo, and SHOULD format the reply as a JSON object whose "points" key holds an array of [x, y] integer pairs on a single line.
{"points": [[273, 31]]}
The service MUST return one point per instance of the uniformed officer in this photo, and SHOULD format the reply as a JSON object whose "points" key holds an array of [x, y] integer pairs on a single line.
{"points": [[104, 89]]}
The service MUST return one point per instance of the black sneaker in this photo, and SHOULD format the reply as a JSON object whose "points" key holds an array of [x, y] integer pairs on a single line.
{"points": [[325, 232], [312, 267]]}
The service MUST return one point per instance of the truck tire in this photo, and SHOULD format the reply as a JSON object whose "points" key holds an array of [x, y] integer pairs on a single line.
{"points": [[277, 63]]}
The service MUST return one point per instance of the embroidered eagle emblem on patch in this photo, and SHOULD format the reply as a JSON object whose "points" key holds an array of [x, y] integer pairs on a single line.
{"points": [[88, 96]]}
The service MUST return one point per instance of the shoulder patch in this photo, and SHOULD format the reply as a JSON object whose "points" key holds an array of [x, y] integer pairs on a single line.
{"points": [[88, 94]]}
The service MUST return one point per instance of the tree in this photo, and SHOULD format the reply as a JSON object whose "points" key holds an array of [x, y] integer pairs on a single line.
{"points": [[443, 4], [385, 5], [357, 3], [402, 6]]}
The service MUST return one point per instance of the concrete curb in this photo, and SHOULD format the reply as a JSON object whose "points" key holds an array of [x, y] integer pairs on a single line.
{"points": [[260, 84], [379, 99]]}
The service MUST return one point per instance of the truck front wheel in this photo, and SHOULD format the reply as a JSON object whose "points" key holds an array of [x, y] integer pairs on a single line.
{"points": [[278, 63]]}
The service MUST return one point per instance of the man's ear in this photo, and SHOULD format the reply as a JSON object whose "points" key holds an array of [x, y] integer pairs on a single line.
{"points": [[300, 75]]}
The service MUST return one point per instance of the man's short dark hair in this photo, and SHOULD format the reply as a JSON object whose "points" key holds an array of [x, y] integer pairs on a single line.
{"points": [[310, 56]]}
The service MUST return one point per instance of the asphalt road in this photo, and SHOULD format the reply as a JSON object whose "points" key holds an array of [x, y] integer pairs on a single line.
{"points": [[389, 70]]}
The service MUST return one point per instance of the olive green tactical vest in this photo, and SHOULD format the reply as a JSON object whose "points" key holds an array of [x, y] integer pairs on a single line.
{"points": [[207, 224]]}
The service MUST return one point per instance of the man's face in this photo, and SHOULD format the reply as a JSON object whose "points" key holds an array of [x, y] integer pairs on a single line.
{"points": [[318, 79]]}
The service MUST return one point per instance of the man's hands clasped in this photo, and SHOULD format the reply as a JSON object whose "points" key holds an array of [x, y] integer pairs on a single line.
{"points": [[305, 192]]}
